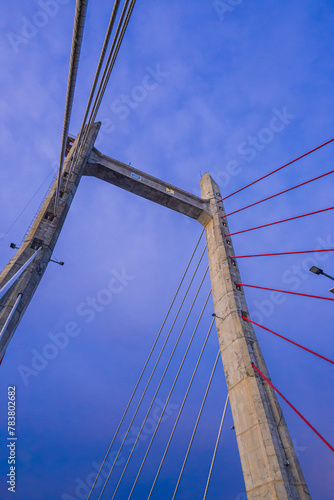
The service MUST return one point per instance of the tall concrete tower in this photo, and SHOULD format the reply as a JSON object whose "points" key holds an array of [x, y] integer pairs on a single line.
{"points": [[269, 462]]}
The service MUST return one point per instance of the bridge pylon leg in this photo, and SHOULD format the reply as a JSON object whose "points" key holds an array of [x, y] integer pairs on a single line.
{"points": [[269, 462], [43, 235]]}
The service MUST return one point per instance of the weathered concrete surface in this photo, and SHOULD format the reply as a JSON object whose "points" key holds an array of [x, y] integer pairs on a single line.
{"points": [[146, 186], [44, 232], [269, 462]]}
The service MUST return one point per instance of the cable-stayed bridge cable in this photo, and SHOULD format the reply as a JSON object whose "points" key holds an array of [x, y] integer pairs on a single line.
{"points": [[285, 291], [294, 409], [102, 56], [161, 380], [281, 253], [113, 52], [278, 194], [146, 363], [169, 394], [196, 425], [181, 408], [26, 206], [279, 221], [78, 28], [120, 32], [277, 169], [288, 340], [95, 82], [215, 450], [153, 371]]}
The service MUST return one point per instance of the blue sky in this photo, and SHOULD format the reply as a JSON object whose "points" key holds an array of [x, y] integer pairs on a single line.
{"points": [[225, 76]]}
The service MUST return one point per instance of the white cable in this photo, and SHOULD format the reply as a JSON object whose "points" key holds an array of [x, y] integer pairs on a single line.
{"points": [[215, 450]]}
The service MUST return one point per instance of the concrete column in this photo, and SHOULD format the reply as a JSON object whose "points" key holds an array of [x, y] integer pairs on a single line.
{"points": [[43, 233], [270, 466]]}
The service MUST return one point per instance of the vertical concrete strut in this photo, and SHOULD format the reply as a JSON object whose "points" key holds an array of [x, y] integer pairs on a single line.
{"points": [[44, 233], [269, 462]]}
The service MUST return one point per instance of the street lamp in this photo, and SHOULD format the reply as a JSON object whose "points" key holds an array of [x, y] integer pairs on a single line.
{"points": [[316, 270]]}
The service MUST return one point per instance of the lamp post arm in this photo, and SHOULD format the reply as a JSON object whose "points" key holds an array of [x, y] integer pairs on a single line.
{"points": [[328, 276]]}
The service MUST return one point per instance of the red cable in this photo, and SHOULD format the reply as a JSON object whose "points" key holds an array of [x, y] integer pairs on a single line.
{"points": [[291, 406], [277, 169], [285, 291], [281, 253], [279, 221], [277, 194], [285, 338]]}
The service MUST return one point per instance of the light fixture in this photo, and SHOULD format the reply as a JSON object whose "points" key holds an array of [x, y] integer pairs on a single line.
{"points": [[317, 270]]}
